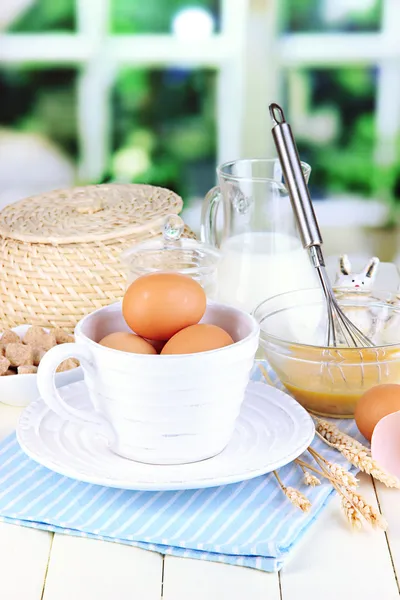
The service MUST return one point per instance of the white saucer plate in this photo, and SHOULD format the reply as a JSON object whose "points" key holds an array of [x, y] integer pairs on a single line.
{"points": [[271, 431]]}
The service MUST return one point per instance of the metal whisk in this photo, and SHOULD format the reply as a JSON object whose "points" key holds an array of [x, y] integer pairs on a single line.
{"points": [[340, 327]]}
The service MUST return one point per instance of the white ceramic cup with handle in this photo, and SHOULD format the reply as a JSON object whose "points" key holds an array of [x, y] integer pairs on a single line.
{"points": [[157, 409]]}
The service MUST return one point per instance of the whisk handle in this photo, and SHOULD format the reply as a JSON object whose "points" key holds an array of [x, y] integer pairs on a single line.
{"points": [[294, 179]]}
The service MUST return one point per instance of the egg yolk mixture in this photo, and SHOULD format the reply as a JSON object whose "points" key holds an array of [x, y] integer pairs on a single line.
{"points": [[330, 382]]}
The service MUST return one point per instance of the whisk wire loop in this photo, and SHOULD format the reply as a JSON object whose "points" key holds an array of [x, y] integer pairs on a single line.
{"points": [[341, 330]]}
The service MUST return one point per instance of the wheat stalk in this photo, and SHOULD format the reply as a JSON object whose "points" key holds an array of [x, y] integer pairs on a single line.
{"points": [[308, 479], [296, 498], [339, 473], [311, 480], [366, 510], [353, 451], [352, 514], [321, 473], [353, 503], [365, 463], [331, 435]]}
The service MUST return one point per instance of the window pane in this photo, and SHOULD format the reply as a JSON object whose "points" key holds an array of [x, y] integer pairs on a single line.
{"points": [[334, 124], [38, 137], [160, 16], [44, 15], [164, 129], [331, 15]]}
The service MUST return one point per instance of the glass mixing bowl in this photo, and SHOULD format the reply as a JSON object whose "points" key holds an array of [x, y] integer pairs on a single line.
{"points": [[325, 380]]}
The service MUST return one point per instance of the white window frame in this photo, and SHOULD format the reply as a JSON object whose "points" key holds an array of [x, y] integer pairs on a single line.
{"points": [[247, 54]]}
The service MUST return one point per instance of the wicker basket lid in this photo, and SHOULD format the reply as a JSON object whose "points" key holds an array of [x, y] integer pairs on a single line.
{"points": [[88, 214]]}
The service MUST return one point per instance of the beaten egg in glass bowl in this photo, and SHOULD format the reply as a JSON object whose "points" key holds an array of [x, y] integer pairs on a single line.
{"points": [[329, 381]]}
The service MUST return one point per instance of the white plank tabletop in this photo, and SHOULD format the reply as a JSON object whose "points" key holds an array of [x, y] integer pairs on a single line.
{"points": [[332, 562]]}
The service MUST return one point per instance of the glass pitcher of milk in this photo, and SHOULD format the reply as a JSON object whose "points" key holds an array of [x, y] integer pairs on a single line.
{"points": [[249, 217]]}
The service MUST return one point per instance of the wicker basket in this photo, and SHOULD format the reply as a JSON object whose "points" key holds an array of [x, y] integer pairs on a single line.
{"points": [[60, 251]]}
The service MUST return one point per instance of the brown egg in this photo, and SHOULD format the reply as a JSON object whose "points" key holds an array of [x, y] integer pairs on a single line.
{"points": [[158, 305], [127, 342], [197, 338], [375, 404]]}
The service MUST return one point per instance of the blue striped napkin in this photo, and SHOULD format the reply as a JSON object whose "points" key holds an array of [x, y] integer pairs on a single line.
{"points": [[249, 523]]}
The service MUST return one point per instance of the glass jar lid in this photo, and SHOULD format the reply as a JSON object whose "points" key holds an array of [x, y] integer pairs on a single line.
{"points": [[172, 252]]}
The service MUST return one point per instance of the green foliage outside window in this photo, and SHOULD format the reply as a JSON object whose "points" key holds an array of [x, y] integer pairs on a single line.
{"points": [[152, 16], [164, 120], [47, 15]]}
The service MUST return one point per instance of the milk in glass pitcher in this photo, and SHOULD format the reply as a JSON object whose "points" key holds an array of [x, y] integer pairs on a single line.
{"points": [[261, 253]]}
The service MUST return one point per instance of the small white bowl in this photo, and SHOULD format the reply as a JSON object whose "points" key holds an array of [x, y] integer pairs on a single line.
{"points": [[19, 390]]}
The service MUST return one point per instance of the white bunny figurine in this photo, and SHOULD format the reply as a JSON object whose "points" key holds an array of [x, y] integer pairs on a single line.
{"points": [[358, 282], [355, 286]]}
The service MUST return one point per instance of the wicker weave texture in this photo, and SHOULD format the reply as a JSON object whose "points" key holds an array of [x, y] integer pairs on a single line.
{"points": [[54, 275], [88, 214]]}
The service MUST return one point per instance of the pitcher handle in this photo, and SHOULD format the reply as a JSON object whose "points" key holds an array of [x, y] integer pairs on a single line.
{"points": [[209, 211]]}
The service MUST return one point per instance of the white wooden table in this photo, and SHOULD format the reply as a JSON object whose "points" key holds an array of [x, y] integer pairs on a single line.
{"points": [[333, 562]]}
